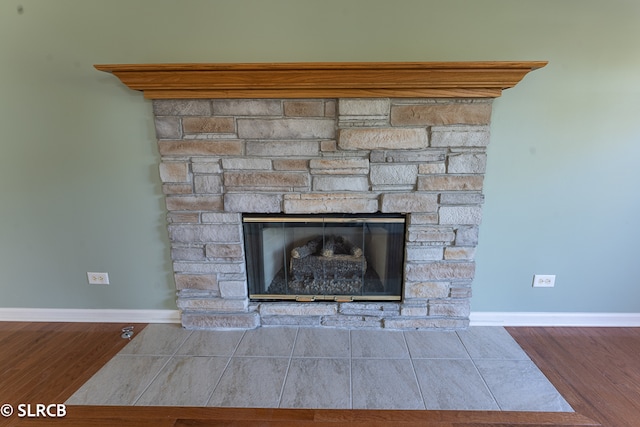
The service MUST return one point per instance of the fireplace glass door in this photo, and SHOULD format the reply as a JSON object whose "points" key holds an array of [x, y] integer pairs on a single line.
{"points": [[324, 257]]}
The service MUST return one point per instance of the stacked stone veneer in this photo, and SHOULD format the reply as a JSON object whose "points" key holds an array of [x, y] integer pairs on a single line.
{"points": [[424, 157]]}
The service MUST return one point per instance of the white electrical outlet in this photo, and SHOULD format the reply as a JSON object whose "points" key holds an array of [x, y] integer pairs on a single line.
{"points": [[544, 280], [98, 278]]}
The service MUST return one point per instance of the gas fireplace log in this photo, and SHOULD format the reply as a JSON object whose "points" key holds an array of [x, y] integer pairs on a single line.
{"points": [[310, 248], [340, 245]]}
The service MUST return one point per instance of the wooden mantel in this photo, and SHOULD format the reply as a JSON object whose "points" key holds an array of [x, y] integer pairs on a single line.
{"points": [[323, 80]]}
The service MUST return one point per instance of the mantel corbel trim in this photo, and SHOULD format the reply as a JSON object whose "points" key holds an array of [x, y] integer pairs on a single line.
{"points": [[323, 80]]}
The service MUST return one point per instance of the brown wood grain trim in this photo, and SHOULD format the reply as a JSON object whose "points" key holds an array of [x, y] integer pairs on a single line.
{"points": [[323, 80]]}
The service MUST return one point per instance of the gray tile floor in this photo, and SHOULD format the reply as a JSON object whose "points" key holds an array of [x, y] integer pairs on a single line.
{"points": [[481, 368]]}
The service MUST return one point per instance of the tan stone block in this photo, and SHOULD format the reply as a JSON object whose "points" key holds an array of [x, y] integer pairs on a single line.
{"points": [[441, 114], [423, 290], [408, 202], [183, 217], [304, 108], [224, 250], [450, 308], [203, 282], [382, 138], [194, 203], [291, 164], [174, 172], [192, 125], [330, 203], [177, 189], [200, 148], [459, 253], [450, 182], [431, 168], [328, 146], [265, 179]]}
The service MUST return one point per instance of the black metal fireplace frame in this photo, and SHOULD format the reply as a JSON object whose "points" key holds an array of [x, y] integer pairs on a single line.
{"points": [[254, 254]]}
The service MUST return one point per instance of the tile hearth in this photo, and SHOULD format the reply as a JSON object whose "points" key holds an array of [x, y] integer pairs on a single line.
{"points": [[481, 368]]}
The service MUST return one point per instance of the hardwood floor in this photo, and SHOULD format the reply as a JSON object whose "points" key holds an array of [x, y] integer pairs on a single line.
{"points": [[596, 369]]}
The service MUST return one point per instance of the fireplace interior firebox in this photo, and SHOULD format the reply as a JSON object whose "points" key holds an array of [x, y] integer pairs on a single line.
{"points": [[324, 257]]}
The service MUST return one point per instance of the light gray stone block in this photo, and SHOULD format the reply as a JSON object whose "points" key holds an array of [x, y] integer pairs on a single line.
{"points": [[207, 184], [438, 271], [467, 163], [251, 202], [283, 148], [168, 127], [221, 218], [207, 321], [342, 183], [431, 234], [185, 267], [181, 107], [212, 304], [286, 128], [393, 174], [246, 163], [424, 253], [233, 289], [363, 107], [247, 107], [460, 198], [205, 233], [459, 137], [467, 236], [403, 323], [382, 138], [298, 309], [463, 215]]}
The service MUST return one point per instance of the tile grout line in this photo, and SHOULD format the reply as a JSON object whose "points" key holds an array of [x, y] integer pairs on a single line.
{"points": [[479, 373], [413, 368], [169, 359], [286, 373], [233, 353], [350, 370]]}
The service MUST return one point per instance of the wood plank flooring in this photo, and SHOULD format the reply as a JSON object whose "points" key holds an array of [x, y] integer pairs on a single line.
{"points": [[596, 369]]}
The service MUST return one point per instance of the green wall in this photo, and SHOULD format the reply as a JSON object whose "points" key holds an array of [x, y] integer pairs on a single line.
{"points": [[80, 191]]}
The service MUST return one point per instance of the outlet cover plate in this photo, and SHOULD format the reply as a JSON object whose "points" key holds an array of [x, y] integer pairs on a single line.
{"points": [[544, 280], [98, 278]]}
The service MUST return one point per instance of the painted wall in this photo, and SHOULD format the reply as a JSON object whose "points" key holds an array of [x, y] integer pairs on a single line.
{"points": [[79, 186]]}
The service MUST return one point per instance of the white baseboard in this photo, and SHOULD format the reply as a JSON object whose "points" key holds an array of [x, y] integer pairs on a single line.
{"points": [[88, 315], [477, 318], [486, 318]]}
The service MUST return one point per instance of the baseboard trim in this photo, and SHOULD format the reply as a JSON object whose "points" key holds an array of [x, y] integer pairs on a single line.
{"points": [[486, 318], [477, 318], [88, 315]]}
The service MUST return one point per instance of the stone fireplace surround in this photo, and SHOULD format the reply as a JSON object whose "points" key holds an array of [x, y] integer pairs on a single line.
{"points": [[323, 138]]}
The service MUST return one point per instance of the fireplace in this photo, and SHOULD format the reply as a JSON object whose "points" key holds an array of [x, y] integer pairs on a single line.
{"points": [[324, 257], [337, 195]]}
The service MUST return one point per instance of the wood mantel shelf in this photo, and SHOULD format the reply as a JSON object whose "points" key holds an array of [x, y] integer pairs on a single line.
{"points": [[323, 80]]}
